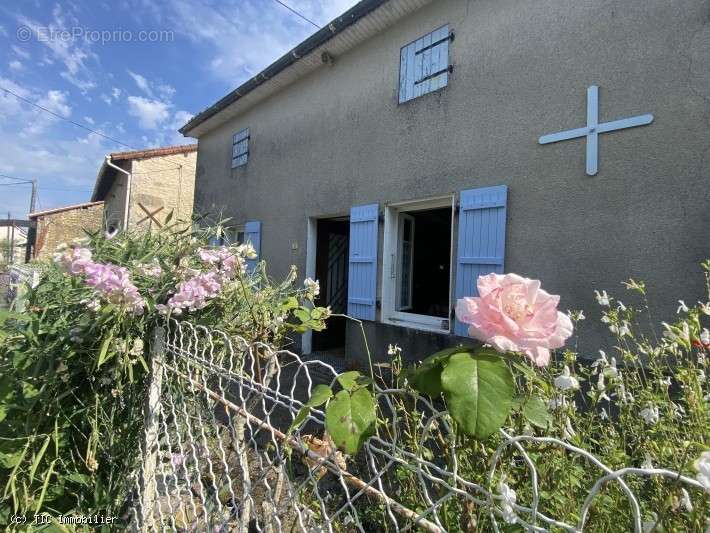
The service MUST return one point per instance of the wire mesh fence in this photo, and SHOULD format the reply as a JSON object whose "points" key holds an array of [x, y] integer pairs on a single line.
{"points": [[219, 453]]}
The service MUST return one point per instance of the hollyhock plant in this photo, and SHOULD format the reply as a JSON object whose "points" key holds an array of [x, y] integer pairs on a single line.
{"points": [[513, 314]]}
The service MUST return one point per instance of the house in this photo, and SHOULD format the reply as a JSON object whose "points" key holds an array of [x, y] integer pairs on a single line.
{"points": [[140, 188], [13, 241], [63, 225], [410, 145]]}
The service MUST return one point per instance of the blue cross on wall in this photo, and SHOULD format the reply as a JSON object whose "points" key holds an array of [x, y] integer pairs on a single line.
{"points": [[592, 130]]}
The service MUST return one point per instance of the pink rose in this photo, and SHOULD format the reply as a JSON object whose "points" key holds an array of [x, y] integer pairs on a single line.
{"points": [[513, 314]]}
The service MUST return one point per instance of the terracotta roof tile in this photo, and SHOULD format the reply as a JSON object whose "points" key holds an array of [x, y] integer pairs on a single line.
{"points": [[154, 152]]}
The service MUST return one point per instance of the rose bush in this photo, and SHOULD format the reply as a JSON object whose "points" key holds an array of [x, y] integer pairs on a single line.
{"points": [[642, 403]]}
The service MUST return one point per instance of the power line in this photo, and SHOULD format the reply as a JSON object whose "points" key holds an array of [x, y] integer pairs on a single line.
{"points": [[57, 115], [78, 124], [14, 178], [25, 181], [292, 10]]}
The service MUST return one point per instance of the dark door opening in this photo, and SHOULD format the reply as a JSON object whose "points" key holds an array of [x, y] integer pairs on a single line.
{"points": [[332, 244]]}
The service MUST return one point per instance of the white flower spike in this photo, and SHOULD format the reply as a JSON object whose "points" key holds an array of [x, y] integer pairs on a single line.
{"points": [[650, 414], [566, 381], [602, 299]]}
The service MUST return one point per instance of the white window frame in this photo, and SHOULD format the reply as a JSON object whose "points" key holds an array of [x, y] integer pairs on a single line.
{"points": [[390, 266], [234, 231]]}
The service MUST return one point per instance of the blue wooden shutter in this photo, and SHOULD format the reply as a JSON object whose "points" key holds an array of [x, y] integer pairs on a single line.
{"points": [[362, 273], [252, 234], [424, 65], [240, 148], [481, 242]]}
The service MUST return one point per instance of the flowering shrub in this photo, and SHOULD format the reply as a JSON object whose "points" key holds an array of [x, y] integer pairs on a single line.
{"points": [[75, 365], [644, 403]]}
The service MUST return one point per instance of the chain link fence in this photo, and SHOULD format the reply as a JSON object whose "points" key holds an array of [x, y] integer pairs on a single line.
{"points": [[218, 454]]}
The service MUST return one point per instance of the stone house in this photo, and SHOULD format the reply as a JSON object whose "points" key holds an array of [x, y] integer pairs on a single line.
{"points": [[64, 224], [140, 188], [411, 145]]}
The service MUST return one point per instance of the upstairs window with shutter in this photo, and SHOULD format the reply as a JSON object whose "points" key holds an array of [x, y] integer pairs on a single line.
{"points": [[424, 65], [240, 148]]}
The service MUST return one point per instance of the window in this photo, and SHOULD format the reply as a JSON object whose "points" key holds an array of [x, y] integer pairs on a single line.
{"points": [[240, 148], [424, 65], [233, 235], [417, 291]]}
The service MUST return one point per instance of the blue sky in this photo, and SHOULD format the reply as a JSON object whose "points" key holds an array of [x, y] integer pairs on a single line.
{"points": [[88, 61]]}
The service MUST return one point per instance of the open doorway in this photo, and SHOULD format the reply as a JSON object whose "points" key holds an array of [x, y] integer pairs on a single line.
{"points": [[332, 245]]}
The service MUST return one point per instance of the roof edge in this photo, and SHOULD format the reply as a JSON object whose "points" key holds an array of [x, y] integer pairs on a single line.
{"points": [[154, 152], [63, 208], [327, 32]]}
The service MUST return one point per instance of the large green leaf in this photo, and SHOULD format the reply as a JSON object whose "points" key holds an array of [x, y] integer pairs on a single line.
{"points": [[350, 419], [426, 378], [479, 391]]}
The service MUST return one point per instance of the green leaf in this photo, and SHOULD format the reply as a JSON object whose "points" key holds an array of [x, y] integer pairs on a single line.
{"points": [[104, 349], [289, 303], [479, 389], [77, 477], [350, 419], [351, 380], [426, 378], [45, 485], [39, 456], [535, 411], [321, 394]]}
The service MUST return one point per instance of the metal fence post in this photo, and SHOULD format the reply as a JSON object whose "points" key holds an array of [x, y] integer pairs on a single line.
{"points": [[152, 420]]}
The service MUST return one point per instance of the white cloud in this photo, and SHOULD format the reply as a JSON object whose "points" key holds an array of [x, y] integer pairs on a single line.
{"points": [[241, 36], [150, 113], [113, 96], [142, 83], [89, 120], [24, 54], [56, 101], [151, 88], [82, 85], [15, 65], [9, 105], [180, 118], [75, 54]]}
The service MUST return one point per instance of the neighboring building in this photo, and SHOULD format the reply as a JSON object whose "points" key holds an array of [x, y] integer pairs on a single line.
{"points": [[63, 225], [396, 163], [13, 241], [159, 181]]}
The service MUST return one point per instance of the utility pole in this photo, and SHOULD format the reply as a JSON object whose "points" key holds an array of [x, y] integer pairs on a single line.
{"points": [[33, 195], [10, 238], [32, 229]]}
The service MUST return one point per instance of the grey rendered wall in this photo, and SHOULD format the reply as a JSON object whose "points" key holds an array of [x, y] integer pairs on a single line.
{"points": [[338, 138]]}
